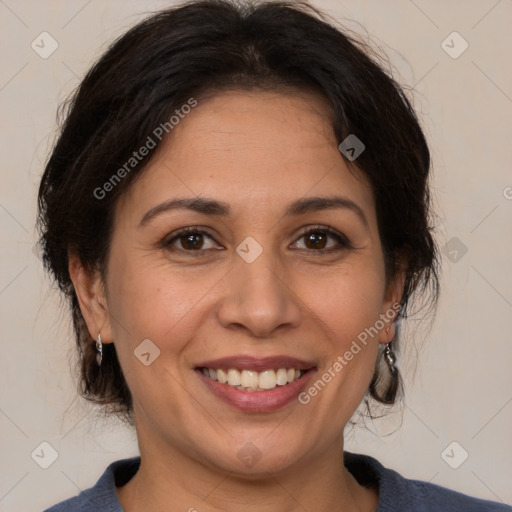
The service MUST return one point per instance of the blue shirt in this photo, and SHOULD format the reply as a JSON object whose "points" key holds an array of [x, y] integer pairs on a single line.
{"points": [[396, 493]]}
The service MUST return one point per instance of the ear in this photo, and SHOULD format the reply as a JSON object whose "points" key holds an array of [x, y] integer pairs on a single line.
{"points": [[91, 298], [391, 304]]}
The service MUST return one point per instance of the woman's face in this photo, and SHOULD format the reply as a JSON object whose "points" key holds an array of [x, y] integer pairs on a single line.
{"points": [[246, 283]]}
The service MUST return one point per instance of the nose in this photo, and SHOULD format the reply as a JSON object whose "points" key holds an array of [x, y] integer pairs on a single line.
{"points": [[259, 298]]}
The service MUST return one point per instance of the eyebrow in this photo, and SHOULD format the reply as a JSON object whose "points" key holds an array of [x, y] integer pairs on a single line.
{"points": [[212, 207]]}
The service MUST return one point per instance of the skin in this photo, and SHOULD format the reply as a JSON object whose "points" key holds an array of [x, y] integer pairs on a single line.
{"points": [[257, 152]]}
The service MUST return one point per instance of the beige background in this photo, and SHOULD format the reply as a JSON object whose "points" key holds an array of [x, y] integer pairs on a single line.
{"points": [[462, 388]]}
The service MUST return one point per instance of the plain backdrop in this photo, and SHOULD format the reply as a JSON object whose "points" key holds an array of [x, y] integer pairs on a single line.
{"points": [[458, 400]]}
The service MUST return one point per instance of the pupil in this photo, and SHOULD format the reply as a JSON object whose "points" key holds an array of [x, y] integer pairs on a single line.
{"points": [[192, 241], [317, 240]]}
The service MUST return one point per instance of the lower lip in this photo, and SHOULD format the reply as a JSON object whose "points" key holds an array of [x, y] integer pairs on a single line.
{"points": [[257, 401]]}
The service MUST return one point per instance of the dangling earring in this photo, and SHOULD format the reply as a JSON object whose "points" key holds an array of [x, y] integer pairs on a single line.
{"points": [[389, 355], [385, 388], [99, 350]]}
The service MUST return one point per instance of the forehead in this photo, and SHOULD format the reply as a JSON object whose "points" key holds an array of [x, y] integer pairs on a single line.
{"points": [[252, 149]]}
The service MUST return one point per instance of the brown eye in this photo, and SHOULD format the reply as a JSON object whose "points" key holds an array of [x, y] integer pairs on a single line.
{"points": [[190, 240], [315, 240], [322, 240]]}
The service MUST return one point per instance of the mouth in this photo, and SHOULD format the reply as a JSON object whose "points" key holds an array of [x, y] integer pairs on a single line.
{"points": [[252, 380], [256, 385]]}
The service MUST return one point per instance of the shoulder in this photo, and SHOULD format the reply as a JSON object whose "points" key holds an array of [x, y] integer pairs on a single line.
{"points": [[436, 498], [398, 494], [102, 496]]}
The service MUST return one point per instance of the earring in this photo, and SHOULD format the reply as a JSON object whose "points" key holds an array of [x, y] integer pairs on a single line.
{"points": [[385, 388], [99, 350], [389, 355]]}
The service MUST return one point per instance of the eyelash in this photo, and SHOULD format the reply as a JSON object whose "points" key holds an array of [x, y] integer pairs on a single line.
{"points": [[343, 241]]}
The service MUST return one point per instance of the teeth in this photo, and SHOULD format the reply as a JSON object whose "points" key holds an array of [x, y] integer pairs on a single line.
{"points": [[268, 379], [250, 380], [222, 376], [282, 377], [234, 377]]}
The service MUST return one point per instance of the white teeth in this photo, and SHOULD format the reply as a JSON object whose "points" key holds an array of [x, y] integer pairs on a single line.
{"points": [[268, 379], [250, 380], [233, 377], [282, 377]]}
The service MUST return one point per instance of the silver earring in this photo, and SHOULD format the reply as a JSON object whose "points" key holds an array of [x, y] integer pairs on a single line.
{"points": [[390, 357], [99, 350]]}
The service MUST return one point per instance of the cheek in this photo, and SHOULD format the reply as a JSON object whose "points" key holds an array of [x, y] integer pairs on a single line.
{"points": [[346, 302], [154, 301], [348, 315], [356, 311], [347, 310]]}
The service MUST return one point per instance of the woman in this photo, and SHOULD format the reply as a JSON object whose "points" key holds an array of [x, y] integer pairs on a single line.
{"points": [[237, 210]]}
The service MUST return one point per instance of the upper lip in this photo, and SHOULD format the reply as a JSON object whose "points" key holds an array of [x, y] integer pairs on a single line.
{"points": [[244, 362]]}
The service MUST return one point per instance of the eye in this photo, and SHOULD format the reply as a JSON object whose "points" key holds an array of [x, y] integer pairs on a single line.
{"points": [[323, 239], [190, 239]]}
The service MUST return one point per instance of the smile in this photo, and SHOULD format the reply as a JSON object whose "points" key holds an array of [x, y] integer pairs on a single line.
{"points": [[252, 380]]}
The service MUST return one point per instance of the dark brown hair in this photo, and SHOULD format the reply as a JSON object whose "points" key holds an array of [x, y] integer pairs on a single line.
{"points": [[202, 47]]}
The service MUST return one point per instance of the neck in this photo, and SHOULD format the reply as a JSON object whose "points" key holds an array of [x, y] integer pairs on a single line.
{"points": [[319, 483]]}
